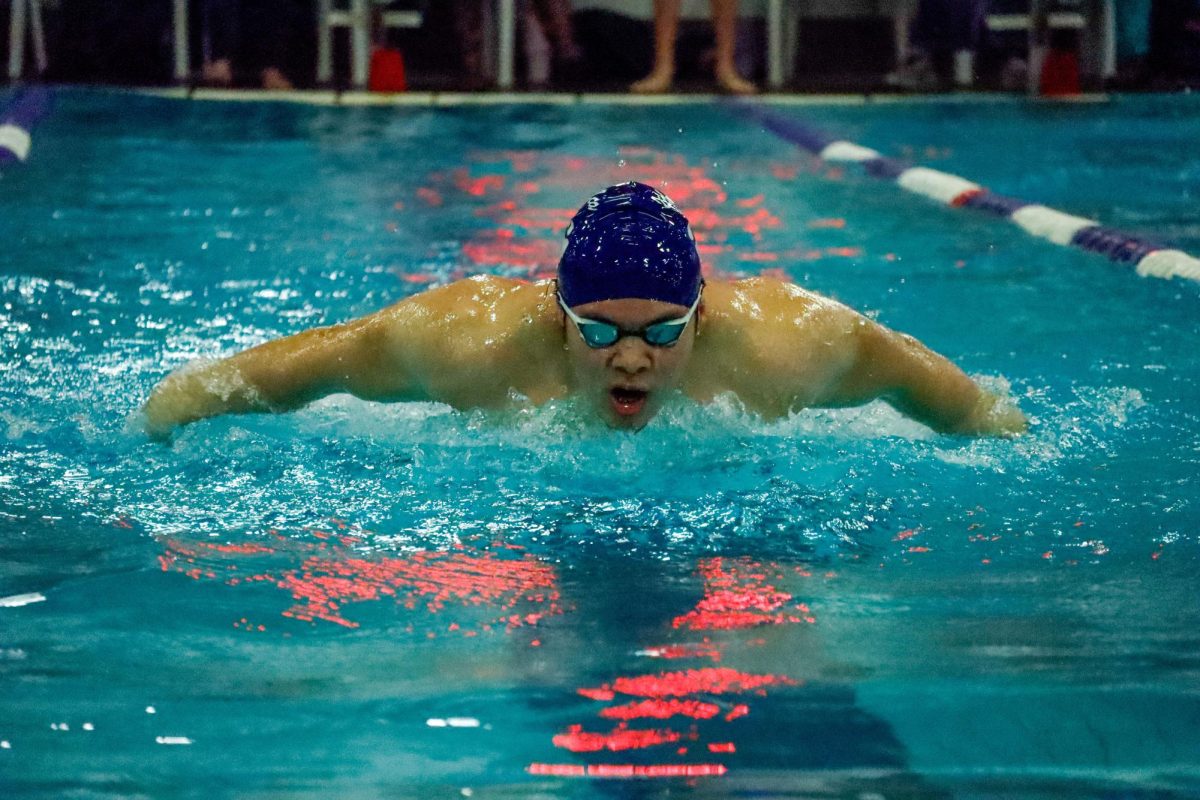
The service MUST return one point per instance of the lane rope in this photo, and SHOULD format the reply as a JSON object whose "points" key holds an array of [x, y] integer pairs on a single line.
{"points": [[1149, 258]]}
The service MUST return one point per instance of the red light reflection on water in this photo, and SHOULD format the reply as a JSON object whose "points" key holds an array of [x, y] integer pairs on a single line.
{"points": [[326, 572], [738, 594], [705, 649], [523, 194], [518, 589], [627, 770], [709, 680], [661, 709], [577, 740], [668, 694]]}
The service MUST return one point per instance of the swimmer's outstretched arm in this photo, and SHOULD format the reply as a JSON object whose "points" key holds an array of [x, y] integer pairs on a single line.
{"points": [[358, 357], [923, 385]]}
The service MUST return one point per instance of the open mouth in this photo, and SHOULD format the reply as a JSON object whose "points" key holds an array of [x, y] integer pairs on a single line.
{"points": [[627, 402]]}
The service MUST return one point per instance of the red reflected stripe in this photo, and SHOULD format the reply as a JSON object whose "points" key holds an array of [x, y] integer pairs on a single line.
{"points": [[627, 770], [662, 709], [577, 740]]}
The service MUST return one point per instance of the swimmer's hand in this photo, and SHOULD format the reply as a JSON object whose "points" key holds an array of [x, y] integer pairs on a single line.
{"points": [[158, 416], [189, 394], [993, 415], [156, 427]]}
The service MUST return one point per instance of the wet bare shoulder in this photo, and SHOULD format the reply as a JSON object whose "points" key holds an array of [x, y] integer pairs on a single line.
{"points": [[776, 344], [768, 309], [475, 338]]}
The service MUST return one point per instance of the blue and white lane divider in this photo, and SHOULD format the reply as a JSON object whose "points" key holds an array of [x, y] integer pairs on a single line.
{"points": [[1148, 257], [17, 119]]}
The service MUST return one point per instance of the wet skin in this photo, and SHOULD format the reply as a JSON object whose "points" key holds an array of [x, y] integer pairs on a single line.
{"points": [[491, 342], [627, 382]]}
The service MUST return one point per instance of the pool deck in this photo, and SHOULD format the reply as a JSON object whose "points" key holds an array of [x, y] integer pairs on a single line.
{"points": [[359, 98]]}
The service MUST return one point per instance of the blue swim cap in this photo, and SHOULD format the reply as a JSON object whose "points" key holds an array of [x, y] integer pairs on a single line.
{"points": [[629, 241]]}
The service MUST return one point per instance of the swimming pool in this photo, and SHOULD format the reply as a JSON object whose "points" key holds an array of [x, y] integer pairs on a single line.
{"points": [[361, 600]]}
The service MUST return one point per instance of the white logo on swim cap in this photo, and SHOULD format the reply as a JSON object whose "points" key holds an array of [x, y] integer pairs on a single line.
{"points": [[594, 203], [663, 200]]}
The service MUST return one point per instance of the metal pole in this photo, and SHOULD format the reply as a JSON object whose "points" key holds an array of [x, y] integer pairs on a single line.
{"points": [[183, 61], [16, 40], [1108, 38], [507, 35], [775, 43], [1037, 37], [324, 43], [38, 33], [360, 33]]}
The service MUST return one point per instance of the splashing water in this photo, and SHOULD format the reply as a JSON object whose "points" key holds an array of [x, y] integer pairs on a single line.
{"points": [[359, 598]]}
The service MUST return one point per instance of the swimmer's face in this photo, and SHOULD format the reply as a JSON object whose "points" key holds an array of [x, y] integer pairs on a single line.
{"points": [[628, 381]]}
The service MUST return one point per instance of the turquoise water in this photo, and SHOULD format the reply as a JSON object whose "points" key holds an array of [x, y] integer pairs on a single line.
{"points": [[360, 600]]}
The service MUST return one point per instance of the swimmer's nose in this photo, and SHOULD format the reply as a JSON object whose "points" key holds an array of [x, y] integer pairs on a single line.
{"points": [[630, 356]]}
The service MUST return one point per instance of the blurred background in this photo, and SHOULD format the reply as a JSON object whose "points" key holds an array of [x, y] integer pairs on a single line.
{"points": [[605, 45]]}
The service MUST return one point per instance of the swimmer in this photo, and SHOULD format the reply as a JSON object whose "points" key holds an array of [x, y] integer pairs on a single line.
{"points": [[627, 323]]}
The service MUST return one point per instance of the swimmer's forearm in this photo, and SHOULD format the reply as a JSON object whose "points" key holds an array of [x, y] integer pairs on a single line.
{"points": [[990, 415], [951, 402], [196, 393], [283, 375], [928, 387], [279, 375]]}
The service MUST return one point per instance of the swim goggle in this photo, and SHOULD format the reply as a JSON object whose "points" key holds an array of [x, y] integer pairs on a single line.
{"points": [[598, 334]]}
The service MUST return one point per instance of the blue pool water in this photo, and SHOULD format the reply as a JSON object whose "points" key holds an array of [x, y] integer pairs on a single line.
{"points": [[362, 601]]}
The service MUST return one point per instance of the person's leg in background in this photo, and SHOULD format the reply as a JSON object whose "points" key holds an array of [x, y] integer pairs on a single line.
{"points": [[554, 17], [725, 19], [945, 36], [468, 26], [270, 30], [666, 29], [1133, 41], [220, 22], [617, 48]]}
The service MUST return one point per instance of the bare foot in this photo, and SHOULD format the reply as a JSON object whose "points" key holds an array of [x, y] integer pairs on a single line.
{"points": [[731, 82], [217, 73], [275, 80], [657, 82]]}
